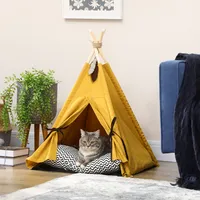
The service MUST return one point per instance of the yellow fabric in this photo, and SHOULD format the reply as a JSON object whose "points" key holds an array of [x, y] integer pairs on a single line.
{"points": [[91, 106]]}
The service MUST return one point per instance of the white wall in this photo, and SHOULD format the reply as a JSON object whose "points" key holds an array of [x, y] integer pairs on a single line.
{"points": [[33, 32]]}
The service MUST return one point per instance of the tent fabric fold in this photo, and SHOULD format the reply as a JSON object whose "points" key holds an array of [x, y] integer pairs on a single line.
{"points": [[92, 105]]}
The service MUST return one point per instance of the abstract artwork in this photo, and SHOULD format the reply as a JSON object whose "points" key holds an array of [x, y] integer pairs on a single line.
{"points": [[92, 9], [92, 5]]}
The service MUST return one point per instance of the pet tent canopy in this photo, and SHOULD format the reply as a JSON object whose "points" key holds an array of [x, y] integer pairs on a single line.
{"points": [[95, 103]]}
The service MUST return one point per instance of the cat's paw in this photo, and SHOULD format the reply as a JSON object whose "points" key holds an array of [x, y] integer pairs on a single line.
{"points": [[78, 163], [82, 166]]}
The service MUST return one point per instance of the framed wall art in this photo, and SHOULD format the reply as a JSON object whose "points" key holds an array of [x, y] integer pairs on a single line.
{"points": [[92, 9]]}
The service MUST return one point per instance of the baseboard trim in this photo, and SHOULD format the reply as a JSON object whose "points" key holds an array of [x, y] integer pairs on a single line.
{"points": [[156, 148], [155, 145]]}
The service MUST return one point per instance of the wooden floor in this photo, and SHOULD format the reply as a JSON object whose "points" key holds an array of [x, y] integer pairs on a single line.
{"points": [[19, 177]]}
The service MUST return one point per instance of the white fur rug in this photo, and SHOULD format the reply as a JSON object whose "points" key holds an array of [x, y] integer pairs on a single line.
{"points": [[102, 187]]}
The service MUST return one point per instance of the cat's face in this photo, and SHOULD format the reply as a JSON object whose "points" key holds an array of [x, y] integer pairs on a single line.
{"points": [[90, 141]]}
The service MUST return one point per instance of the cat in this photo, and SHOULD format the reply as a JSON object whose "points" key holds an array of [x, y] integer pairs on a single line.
{"points": [[91, 146]]}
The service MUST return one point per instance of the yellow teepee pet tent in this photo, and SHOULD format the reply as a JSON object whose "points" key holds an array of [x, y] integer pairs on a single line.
{"points": [[98, 102]]}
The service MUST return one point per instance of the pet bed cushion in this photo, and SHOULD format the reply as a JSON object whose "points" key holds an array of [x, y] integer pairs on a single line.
{"points": [[67, 156]]}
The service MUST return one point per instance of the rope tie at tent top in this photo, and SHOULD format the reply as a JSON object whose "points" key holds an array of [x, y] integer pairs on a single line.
{"points": [[97, 44], [96, 55], [58, 130]]}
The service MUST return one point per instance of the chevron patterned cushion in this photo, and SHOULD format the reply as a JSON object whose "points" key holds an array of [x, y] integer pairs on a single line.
{"points": [[67, 156]]}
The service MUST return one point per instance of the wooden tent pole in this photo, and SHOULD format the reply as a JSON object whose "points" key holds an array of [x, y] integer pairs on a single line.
{"points": [[90, 56], [101, 35], [97, 51], [92, 36], [100, 49]]}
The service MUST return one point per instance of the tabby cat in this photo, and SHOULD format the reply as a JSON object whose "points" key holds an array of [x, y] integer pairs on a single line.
{"points": [[91, 146]]}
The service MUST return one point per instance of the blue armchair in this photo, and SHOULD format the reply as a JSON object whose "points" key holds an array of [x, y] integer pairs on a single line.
{"points": [[170, 79]]}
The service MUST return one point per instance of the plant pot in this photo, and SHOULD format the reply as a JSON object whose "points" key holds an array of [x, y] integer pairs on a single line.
{"points": [[4, 134], [36, 119], [6, 137]]}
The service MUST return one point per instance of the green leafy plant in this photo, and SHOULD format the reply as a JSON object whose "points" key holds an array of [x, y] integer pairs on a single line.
{"points": [[35, 99]]}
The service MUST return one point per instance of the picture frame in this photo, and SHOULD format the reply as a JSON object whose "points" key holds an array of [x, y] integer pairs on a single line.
{"points": [[92, 9]]}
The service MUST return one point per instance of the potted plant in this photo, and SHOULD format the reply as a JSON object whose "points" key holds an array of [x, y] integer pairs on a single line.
{"points": [[5, 127], [36, 100]]}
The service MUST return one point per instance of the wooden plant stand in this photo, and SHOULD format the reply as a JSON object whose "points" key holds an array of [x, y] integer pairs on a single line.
{"points": [[36, 134]]}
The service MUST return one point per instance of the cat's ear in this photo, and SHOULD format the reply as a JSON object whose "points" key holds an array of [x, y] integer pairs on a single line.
{"points": [[97, 133], [82, 132]]}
